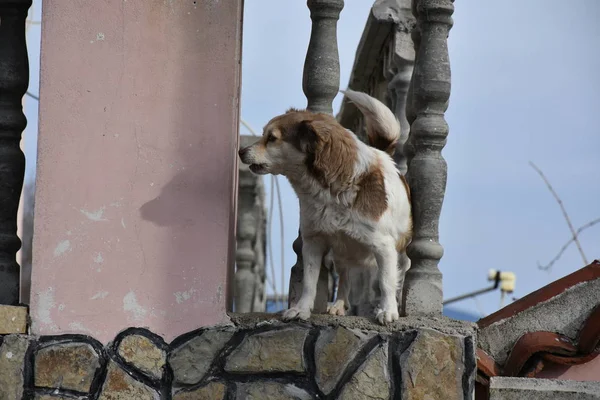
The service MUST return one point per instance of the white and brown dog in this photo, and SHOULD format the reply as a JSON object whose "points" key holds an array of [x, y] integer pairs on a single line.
{"points": [[354, 204]]}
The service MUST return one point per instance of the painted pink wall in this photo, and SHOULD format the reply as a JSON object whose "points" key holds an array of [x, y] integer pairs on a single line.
{"points": [[136, 181]]}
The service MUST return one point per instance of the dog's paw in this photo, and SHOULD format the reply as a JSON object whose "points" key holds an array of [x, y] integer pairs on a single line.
{"points": [[386, 316], [296, 313], [336, 308]]}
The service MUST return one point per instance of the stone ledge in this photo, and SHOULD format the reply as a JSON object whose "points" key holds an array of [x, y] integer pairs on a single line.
{"points": [[257, 355], [505, 388], [13, 319], [441, 324]]}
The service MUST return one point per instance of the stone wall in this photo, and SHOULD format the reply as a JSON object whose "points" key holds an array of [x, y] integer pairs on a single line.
{"points": [[255, 357]]}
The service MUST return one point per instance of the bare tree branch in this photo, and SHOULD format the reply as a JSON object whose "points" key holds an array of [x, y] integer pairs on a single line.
{"points": [[566, 245], [564, 211]]}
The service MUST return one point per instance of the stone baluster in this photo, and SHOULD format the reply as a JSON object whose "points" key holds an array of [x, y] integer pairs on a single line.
{"points": [[427, 170], [398, 69], [14, 80], [320, 83], [249, 291]]}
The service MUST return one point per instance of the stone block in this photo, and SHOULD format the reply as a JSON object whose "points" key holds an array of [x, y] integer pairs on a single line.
{"points": [[334, 350], [372, 380], [271, 391], [67, 366], [211, 391], [120, 386], [13, 319], [191, 360], [143, 354], [505, 388], [432, 367], [271, 351], [12, 356]]}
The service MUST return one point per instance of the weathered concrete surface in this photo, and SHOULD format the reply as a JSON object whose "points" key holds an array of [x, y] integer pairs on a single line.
{"points": [[564, 313], [12, 355], [13, 319], [441, 324], [504, 388]]}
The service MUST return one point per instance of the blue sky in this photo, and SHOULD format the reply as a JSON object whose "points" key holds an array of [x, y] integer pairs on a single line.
{"points": [[524, 88]]}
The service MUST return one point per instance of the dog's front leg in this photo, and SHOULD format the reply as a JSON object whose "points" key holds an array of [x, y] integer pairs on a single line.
{"points": [[387, 263], [313, 250]]}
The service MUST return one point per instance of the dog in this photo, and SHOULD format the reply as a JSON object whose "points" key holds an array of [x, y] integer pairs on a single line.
{"points": [[354, 204]]}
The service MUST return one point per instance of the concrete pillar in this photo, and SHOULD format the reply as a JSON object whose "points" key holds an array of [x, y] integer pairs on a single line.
{"points": [[137, 166]]}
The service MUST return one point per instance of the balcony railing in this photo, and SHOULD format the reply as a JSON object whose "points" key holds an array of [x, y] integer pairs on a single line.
{"points": [[426, 104], [418, 94], [14, 80]]}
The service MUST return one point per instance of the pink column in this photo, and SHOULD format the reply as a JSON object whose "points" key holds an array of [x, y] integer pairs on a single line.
{"points": [[136, 181]]}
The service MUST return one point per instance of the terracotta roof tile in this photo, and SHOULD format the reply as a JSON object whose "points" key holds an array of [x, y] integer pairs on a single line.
{"points": [[533, 349]]}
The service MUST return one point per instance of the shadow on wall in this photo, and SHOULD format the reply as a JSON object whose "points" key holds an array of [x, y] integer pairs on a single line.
{"points": [[195, 207]]}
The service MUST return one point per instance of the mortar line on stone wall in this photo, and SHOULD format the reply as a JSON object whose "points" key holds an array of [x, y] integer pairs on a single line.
{"points": [[230, 392], [185, 337], [30, 390], [400, 343], [28, 371], [395, 387], [166, 392], [215, 368], [470, 364], [308, 353], [361, 357], [138, 375], [99, 376]]}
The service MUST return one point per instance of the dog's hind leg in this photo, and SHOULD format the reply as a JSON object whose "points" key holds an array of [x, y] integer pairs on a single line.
{"points": [[387, 263], [341, 303], [313, 250]]}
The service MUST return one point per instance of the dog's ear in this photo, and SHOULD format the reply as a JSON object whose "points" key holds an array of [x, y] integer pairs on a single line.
{"points": [[307, 136]]}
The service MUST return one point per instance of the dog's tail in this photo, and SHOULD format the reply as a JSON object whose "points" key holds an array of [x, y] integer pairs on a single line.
{"points": [[383, 128]]}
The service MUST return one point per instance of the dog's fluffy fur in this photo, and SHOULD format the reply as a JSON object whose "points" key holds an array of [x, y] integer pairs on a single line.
{"points": [[354, 204]]}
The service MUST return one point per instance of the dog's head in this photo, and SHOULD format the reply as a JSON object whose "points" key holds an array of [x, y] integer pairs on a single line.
{"points": [[287, 141]]}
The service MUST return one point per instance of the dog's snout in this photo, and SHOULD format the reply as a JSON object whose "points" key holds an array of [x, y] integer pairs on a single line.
{"points": [[242, 152]]}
